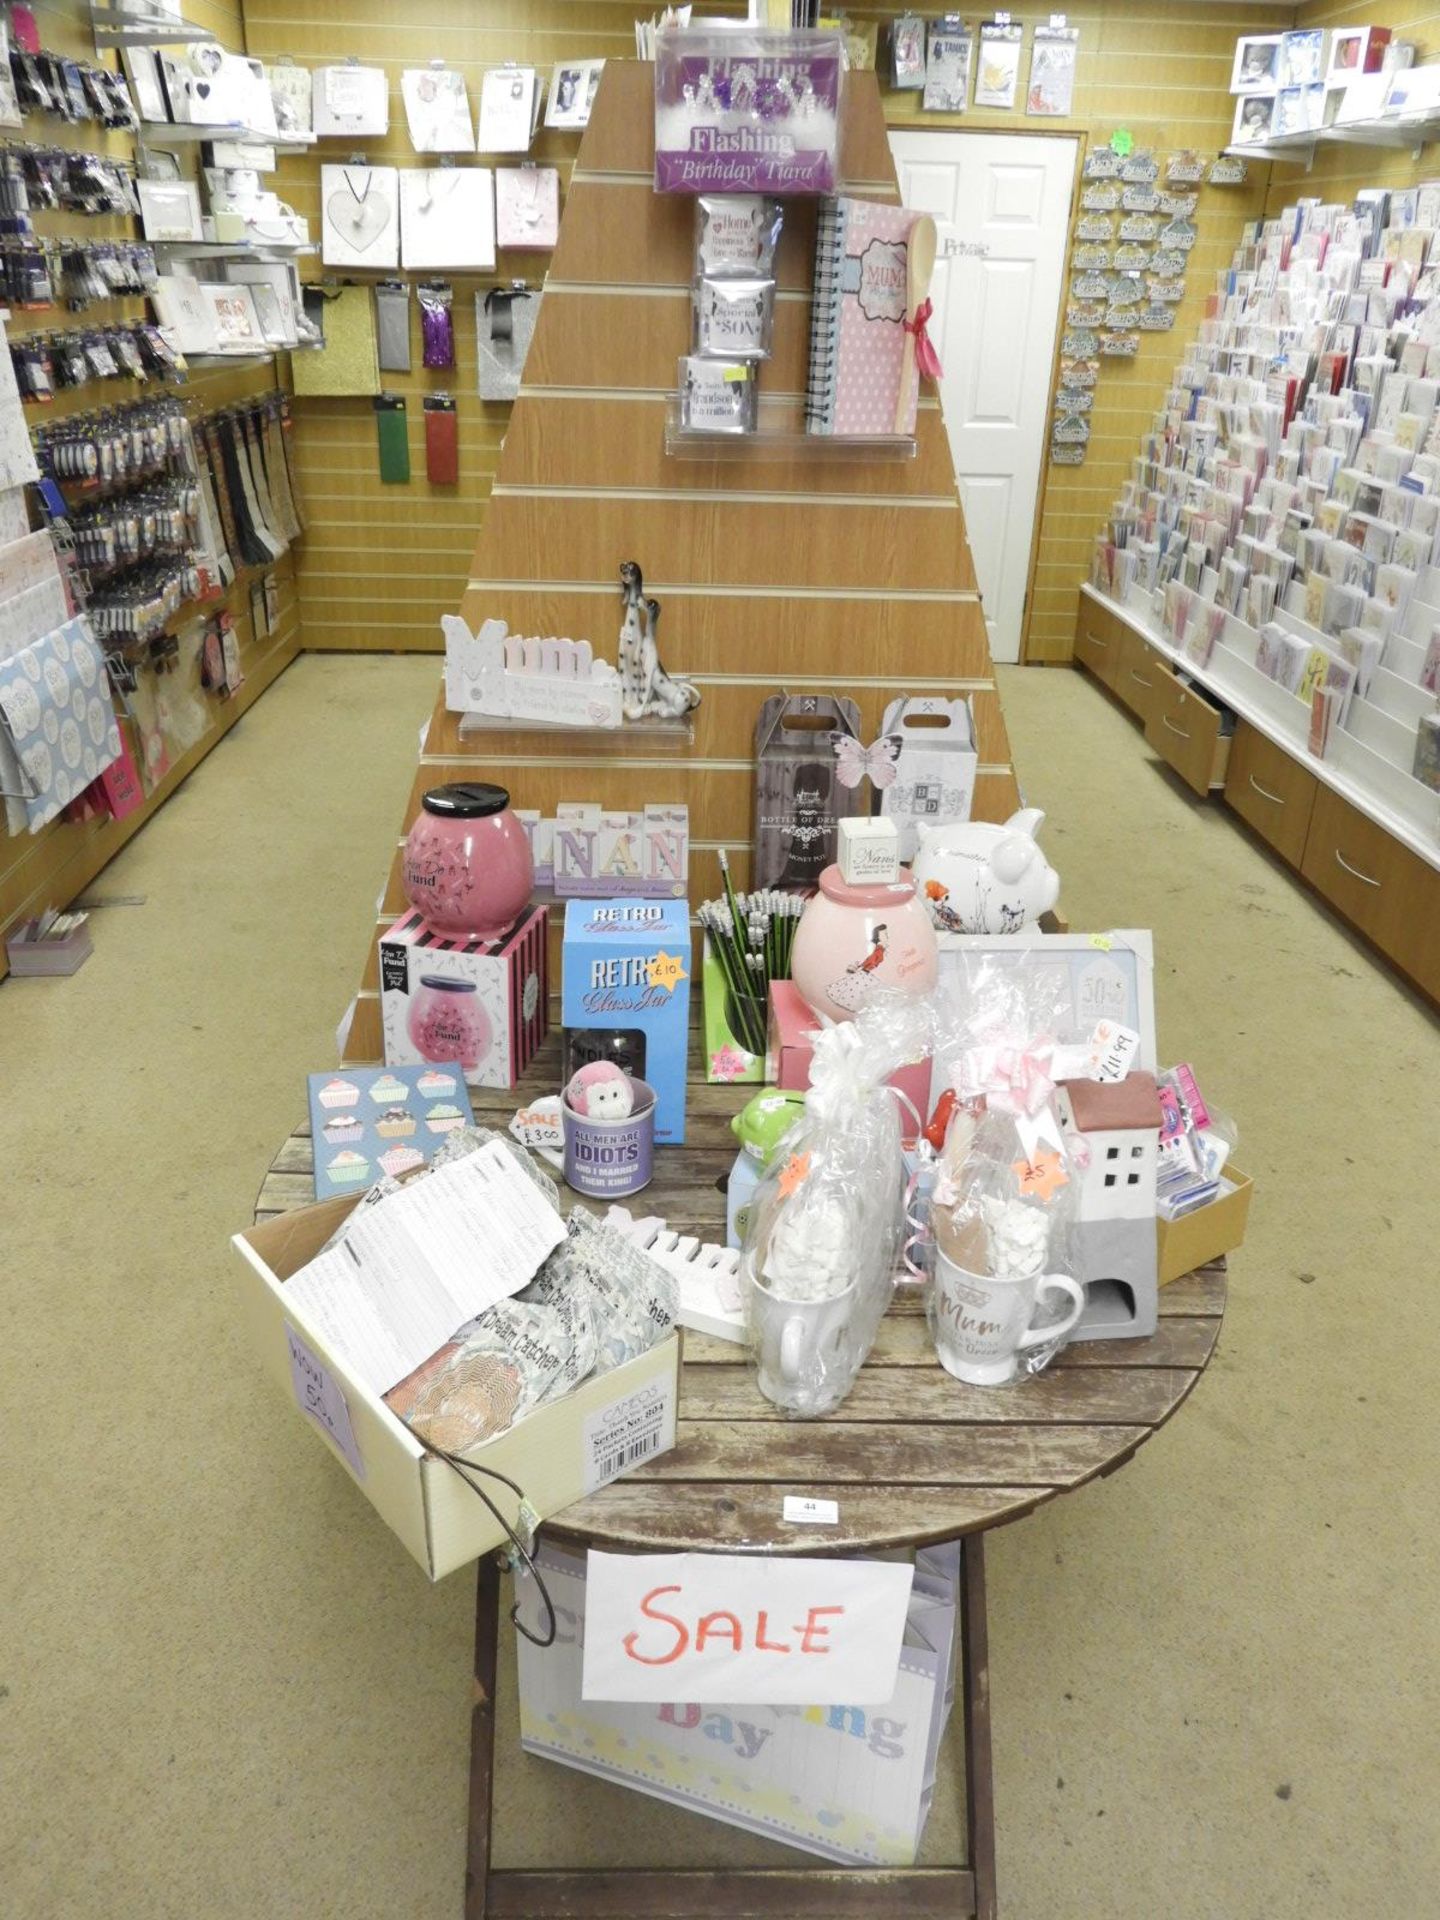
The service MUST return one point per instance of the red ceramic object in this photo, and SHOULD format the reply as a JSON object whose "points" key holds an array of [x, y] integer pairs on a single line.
{"points": [[467, 865]]}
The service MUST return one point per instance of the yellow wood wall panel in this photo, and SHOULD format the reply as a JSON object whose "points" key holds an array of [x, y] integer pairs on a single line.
{"points": [[585, 442], [728, 543], [726, 717], [761, 633], [656, 251], [578, 342]]}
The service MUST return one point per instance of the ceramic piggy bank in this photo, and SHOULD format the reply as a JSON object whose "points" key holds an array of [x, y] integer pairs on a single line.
{"points": [[976, 877]]}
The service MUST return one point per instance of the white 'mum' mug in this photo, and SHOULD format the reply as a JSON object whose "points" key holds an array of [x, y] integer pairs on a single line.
{"points": [[982, 1325]]}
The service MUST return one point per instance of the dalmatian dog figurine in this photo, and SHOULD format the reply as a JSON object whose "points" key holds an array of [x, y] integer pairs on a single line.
{"points": [[645, 687]]}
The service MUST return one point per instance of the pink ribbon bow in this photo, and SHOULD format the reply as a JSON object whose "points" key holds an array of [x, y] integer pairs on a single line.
{"points": [[1012, 1079], [927, 361]]}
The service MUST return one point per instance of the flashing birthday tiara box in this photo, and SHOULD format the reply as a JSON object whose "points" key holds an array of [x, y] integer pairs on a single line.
{"points": [[740, 110]]}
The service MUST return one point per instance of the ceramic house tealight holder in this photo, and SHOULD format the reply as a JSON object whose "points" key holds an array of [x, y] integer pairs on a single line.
{"points": [[1115, 1234]]}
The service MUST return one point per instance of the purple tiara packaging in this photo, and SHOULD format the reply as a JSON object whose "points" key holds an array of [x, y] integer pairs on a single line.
{"points": [[742, 110]]}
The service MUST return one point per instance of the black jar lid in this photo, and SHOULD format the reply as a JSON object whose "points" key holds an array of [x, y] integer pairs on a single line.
{"points": [[465, 800]]}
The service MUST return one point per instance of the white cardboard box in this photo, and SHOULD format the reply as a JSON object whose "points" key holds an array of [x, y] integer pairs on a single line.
{"points": [[557, 1454]]}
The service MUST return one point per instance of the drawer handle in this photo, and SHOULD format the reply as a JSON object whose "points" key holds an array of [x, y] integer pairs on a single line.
{"points": [[1141, 678], [1355, 870], [1094, 640], [1265, 793], [1173, 728]]}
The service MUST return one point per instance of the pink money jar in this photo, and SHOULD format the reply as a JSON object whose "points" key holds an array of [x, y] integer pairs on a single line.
{"points": [[467, 866], [447, 1022], [854, 939]]}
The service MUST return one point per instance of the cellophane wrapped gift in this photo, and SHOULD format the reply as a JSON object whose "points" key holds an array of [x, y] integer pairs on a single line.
{"points": [[820, 1254], [1005, 1192]]}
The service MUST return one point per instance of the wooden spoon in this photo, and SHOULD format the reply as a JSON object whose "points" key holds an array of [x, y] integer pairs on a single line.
{"points": [[919, 266]]}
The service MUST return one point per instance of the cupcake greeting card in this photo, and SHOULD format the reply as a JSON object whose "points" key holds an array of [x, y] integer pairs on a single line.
{"points": [[369, 1121]]}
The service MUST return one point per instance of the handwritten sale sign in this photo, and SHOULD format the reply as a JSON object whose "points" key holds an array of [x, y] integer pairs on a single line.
{"points": [[716, 1626]]}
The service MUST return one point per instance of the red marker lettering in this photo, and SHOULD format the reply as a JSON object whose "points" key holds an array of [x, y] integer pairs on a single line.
{"points": [[762, 1645], [707, 1629], [681, 1630], [812, 1631]]}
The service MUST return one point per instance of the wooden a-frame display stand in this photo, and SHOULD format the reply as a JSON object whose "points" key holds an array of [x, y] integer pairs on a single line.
{"points": [[800, 573]]}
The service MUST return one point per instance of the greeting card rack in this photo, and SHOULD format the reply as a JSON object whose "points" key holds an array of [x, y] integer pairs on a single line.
{"points": [[1354, 825], [849, 578]]}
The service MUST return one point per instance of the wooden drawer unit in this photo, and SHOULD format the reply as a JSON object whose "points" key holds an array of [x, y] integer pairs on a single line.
{"points": [[1136, 679], [1389, 893], [1099, 641], [1184, 729], [1269, 788]]}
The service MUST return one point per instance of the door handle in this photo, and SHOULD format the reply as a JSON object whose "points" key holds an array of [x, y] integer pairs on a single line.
{"points": [[1173, 728], [1095, 640], [1355, 871], [1265, 793], [1141, 678]]}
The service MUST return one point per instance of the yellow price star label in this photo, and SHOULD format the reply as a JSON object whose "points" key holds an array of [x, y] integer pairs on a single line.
{"points": [[667, 970]]}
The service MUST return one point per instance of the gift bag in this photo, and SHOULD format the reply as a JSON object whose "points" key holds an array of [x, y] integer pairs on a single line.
{"points": [[935, 766], [852, 1784], [504, 327], [798, 799]]}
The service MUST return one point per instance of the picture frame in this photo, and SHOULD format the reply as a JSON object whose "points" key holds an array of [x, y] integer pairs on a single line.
{"points": [[1257, 63], [1254, 114], [1106, 976], [169, 210], [237, 322], [1355, 50], [573, 87], [142, 70]]}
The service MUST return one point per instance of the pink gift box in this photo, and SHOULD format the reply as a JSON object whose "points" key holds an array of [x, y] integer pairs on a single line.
{"points": [[793, 1027]]}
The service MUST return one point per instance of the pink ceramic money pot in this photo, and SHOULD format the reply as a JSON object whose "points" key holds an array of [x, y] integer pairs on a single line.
{"points": [[467, 866], [853, 939]]}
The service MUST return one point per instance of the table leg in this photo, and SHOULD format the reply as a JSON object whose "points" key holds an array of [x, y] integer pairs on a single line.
{"points": [[482, 1738], [979, 1770]]}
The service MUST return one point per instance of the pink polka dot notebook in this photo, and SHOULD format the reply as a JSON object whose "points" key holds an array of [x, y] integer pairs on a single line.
{"points": [[857, 328]]}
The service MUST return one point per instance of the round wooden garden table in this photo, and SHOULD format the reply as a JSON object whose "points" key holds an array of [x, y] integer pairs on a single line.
{"points": [[913, 1456]]}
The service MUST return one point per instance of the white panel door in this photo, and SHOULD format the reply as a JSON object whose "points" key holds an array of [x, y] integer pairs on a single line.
{"points": [[1001, 203]]}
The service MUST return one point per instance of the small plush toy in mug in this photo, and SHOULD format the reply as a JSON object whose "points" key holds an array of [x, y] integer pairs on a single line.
{"points": [[600, 1091]]}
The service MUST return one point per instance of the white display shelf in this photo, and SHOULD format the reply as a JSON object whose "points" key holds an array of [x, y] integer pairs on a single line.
{"points": [[234, 249], [184, 133], [140, 26], [1415, 130], [666, 736], [787, 443], [1359, 772]]}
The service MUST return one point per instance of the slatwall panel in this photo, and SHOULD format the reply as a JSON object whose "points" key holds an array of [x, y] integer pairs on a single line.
{"points": [[382, 563], [50, 868], [852, 579], [1159, 68], [1340, 172]]}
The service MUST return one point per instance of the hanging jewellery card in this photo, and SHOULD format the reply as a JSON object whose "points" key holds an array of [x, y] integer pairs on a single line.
{"points": [[527, 207], [447, 218], [437, 109], [509, 106], [352, 100], [361, 211]]}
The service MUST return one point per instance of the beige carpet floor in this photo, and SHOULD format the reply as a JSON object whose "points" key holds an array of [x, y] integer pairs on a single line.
{"points": [[225, 1691]]}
